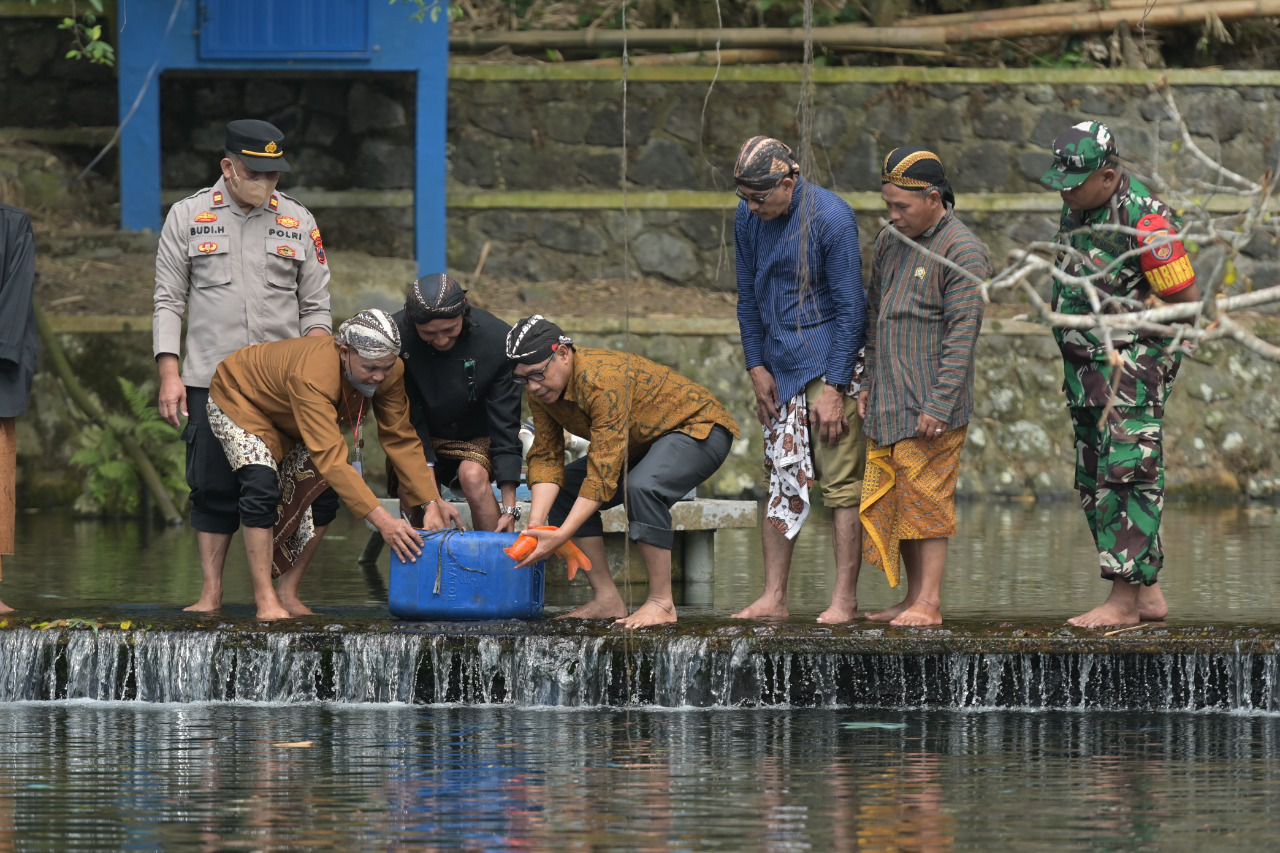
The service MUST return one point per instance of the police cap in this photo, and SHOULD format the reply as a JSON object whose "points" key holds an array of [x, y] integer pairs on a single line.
{"points": [[259, 144]]}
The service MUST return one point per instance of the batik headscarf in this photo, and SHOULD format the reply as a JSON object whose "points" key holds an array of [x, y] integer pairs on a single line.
{"points": [[917, 169], [434, 297], [534, 340], [371, 333], [763, 162]]}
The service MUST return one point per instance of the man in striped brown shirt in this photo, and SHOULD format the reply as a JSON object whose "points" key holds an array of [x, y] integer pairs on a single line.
{"points": [[924, 310]]}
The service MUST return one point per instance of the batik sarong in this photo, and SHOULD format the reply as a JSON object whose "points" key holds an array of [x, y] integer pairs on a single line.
{"points": [[470, 449], [908, 493], [300, 484], [790, 467]]}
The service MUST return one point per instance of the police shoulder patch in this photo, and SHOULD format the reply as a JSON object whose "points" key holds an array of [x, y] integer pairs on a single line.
{"points": [[206, 216], [287, 221]]}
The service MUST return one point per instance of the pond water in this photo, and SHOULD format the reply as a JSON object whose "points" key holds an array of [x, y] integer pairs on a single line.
{"points": [[91, 776], [87, 775], [1008, 560]]}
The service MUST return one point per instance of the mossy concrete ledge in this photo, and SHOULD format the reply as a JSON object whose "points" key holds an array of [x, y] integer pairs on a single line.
{"points": [[358, 656]]}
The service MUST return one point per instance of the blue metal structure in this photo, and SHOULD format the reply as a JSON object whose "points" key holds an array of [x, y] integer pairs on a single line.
{"points": [[256, 36]]}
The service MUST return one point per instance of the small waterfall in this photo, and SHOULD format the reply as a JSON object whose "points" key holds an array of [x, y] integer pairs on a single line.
{"points": [[548, 665]]}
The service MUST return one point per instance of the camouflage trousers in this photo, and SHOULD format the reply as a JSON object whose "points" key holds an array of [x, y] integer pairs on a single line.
{"points": [[1120, 478]]}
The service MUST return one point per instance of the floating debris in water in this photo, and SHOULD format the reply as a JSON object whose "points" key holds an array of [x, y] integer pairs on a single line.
{"points": [[869, 724], [295, 744]]}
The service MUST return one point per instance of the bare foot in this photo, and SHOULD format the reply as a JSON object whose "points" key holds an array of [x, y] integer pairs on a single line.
{"points": [[609, 608], [892, 613], [839, 612], [1151, 604], [296, 607], [1109, 614], [4, 608], [206, 604], [272, 613], [919, 615], [652, 612], [764, 607]]}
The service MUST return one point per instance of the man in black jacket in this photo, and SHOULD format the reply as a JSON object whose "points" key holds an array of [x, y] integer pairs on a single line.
{"points": [[462, 401], [18, 350]]}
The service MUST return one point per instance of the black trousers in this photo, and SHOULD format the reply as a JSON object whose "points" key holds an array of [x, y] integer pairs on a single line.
{"points": [[216, 493], [673, 466]]}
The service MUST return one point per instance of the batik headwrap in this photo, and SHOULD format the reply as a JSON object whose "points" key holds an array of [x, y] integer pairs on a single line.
{"points": [[434, 297], [763, 162], [371, 333], [916, 169], [534, 339]]}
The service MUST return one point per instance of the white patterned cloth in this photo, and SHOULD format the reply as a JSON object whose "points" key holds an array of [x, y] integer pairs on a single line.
{"points": [[244, 448], [790, 466]]}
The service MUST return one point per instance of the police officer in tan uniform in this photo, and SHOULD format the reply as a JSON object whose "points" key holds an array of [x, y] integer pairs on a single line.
{"points": [[246, 264]]}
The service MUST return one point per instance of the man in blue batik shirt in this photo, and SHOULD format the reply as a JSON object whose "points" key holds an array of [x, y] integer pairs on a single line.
{"points": [[803, 317]]}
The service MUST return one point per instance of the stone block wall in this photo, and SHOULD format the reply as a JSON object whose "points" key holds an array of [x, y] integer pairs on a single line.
{"points": [[560, 139], [342, 132]]}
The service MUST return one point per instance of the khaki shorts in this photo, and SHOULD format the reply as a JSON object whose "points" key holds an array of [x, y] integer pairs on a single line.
{"points": [[839, 469]]}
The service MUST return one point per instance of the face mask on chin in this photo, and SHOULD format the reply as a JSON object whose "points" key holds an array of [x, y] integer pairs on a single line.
{"points": [[253, 192], [365, 388]]}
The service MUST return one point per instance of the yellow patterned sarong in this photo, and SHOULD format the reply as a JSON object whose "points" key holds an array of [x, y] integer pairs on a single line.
{"points": [[908, 493]]}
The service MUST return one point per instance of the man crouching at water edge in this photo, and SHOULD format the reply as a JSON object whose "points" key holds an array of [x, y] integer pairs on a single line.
{"points": [[277, 409], [923, 318], [663, 432]]}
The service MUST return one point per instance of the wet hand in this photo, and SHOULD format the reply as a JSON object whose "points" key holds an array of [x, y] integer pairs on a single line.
{"points": [[548, 541], [440, 514], [402, 538]]}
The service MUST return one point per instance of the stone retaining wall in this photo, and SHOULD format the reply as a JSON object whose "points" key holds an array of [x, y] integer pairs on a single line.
{"points": [[1220, 441], [552, 149]]}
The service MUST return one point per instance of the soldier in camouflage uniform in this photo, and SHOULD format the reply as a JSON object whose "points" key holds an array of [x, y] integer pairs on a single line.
{"points": [[1117, 398]]}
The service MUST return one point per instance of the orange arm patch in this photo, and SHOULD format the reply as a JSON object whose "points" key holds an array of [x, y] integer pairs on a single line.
{"points": [[1165, 264]]}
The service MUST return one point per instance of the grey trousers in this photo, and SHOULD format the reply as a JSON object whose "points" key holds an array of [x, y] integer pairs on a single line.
{"points": [[674, 465]]}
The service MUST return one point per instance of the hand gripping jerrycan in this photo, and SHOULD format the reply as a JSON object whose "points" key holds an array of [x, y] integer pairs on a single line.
{"points": [[465, 575]]}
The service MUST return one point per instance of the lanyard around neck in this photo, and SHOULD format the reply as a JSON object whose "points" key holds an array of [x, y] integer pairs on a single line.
{"points": [[355, 429]]}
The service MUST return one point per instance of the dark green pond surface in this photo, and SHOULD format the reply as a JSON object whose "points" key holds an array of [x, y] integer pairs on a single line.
{"points": [[88, 775], [92, 776], [1008, 560]]}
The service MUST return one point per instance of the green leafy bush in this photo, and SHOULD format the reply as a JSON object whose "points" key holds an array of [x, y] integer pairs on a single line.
{"points": [[112, 484]]}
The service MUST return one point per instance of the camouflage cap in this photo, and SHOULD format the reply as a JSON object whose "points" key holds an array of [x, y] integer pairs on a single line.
{"points": [[1078, 153]]}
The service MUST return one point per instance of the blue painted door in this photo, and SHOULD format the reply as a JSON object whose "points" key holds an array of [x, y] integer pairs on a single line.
{"points": [[284, 29]]}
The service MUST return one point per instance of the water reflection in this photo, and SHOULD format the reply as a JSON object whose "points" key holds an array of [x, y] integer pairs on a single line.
{"points": [[77, 776], [1009, 560]]}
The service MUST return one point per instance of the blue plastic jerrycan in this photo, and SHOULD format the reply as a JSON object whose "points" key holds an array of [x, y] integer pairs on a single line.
{"points": [[465, 575]]}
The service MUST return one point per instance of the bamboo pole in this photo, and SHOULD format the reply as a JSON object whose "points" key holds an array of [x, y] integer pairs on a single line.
{"points": [[1071, 7], [150, 476], [1107, 20], [853, 37]]}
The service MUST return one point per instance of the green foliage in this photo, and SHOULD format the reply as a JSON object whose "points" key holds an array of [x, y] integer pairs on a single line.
{"points": [[1070, 56], [431, 9], [86, 34], [112, 484]]}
